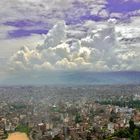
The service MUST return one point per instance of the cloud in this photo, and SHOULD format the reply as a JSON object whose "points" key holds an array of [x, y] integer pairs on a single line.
{"points": [[30, 16], [34, 9], [69, 10], [55, 36], [9, 47], [98, 51], [106, 46], [3, 31]]}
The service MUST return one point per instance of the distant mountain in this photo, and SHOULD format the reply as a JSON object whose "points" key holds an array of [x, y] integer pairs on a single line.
{"points": [[76, 78], [105, 78]]}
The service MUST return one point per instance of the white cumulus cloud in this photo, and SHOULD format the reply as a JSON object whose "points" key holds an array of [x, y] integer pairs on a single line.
{"points": [[98, 51]]}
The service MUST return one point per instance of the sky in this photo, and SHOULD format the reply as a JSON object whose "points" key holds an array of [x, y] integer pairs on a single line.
{"points": [[39, 37]]}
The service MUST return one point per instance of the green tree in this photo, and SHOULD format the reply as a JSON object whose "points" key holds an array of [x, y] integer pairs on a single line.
{"points": [[23, 128], [122, 133], [57, 137], [78, 118], [136, 134], [131, 126]]}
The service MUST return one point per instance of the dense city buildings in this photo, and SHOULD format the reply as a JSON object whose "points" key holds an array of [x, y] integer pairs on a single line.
{"points": [[70, 113]]}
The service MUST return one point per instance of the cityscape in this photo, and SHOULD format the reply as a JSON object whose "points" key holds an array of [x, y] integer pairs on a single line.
{"points": [[69, 69], [71, 113]]}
